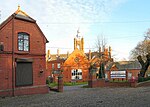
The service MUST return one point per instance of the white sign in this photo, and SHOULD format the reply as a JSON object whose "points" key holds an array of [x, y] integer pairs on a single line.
{"points": [[118, 74]]}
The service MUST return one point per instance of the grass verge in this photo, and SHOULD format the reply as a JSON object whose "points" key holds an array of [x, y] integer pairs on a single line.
{"points": [[67, 84]]}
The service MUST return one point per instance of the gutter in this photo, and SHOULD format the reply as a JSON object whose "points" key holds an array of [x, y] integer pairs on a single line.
{"points": [[13, 71]]}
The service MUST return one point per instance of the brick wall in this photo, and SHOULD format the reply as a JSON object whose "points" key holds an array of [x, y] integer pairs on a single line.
{"points": [[37, 53], [133, 71], [93, 82], [25, 91], [5, 71]]}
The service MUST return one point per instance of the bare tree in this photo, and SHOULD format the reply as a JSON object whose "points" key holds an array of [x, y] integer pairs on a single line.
{"points": [[142, 48], [100, 43], [144, 65], [100, 46]]}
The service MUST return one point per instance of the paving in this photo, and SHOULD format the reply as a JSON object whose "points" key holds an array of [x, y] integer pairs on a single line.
{"points": [[84, 97]]}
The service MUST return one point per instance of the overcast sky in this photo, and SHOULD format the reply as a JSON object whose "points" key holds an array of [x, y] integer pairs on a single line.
{"points": [[121, 22]]}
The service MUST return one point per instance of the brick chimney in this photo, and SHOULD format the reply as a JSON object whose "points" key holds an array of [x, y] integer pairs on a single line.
{"points": [[99, 49], [48, 53], [106, 54], [90, 55], [67, 54], [48, 56], [58, 54], [110, 52]]}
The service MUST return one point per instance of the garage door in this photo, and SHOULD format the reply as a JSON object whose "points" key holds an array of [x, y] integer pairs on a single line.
{"points": [[24, 74]]}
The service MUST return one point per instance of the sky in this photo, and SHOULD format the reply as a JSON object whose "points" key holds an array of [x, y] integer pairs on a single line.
{"points": [[121, 23]]}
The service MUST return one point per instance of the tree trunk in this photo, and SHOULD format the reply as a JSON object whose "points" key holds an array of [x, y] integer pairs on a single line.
{"points": [[144, 65]]}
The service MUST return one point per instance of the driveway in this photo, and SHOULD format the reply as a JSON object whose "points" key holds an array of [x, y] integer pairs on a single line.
{"points": [[71, 88], [84, 97]]}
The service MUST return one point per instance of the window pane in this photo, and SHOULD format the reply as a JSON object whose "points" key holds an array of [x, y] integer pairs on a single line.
{"points": [[20, 44], [52, 66], [58, 65], [20, 36], [26, 37], [26, 45]]}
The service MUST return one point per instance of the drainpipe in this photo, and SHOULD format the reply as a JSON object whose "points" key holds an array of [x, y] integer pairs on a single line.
{"points": [[13, 71]]}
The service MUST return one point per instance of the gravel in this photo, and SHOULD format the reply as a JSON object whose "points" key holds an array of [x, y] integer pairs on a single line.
{"points": [[83, 97]]}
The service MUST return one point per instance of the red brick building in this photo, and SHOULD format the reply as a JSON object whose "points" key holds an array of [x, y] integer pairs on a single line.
{"points": [[55, 68], [100, 59], [74, 66], [122, 70], [54, 64], [22, 56]]}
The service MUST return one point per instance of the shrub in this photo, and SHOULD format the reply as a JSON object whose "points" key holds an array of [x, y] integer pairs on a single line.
{"points": [[47, 81], [142, 79]]}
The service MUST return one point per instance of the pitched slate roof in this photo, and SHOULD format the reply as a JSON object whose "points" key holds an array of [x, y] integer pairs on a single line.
{"points": [[123, 65], [61, 56], [19, 14], [26, 18], [55, 57], [22, 15]]}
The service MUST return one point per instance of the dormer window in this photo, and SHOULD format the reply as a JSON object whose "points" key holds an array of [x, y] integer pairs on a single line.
{"points": [[23, 41]]}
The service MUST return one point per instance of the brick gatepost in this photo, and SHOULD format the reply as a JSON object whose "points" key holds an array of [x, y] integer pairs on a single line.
{"points": [[60, 83], [134, 82], [92, 79]]}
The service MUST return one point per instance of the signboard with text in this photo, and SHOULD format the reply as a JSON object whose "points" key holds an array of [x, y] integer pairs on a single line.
{"points": [[118, 74]]}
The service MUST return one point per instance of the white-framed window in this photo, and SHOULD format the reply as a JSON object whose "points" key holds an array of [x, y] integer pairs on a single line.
{"points": [[23, 41], [58, 65], [53, 66], [76, 74]]}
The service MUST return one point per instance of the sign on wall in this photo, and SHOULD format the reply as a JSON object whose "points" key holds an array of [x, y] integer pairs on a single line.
{"points": [[118, 74]]}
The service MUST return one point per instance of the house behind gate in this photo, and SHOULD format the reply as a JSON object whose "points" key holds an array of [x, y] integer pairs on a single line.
{"points": [[75, 66], [22, 56]]}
